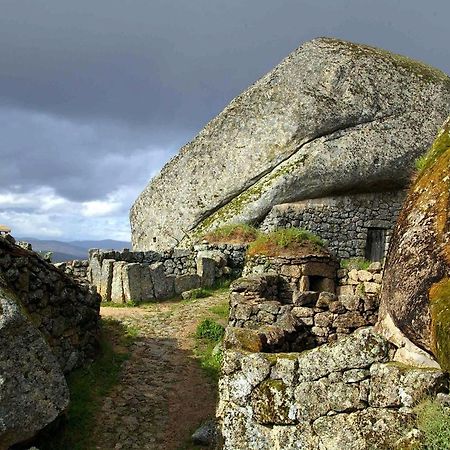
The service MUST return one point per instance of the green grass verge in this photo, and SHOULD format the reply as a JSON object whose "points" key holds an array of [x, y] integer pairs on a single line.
{"points": [[88, 387], [433, 420], [236, 233], [285, 240], [355, 263]]}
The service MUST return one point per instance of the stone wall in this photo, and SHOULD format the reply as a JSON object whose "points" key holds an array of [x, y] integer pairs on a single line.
{"points": [[300, 308], [337, 396], [342, 221], [145, 276], [77, 269], [65, 312]]}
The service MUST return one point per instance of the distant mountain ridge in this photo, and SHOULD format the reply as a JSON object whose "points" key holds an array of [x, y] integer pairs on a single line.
{"points": [[66, 251]]}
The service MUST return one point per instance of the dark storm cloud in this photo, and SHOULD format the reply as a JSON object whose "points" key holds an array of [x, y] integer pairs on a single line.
{"points": [[96, 95]]}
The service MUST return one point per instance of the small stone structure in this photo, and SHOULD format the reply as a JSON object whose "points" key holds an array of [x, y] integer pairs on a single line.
{"points": [[144, 276], [303, 366], [298, 303], [357, 225], [65, 312]]}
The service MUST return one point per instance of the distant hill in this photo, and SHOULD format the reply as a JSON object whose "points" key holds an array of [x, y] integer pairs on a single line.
{"points": [[66, 251]]}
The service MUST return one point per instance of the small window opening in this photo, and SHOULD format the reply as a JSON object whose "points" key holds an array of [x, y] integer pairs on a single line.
{"points": [[376, 244], [316, 283]]}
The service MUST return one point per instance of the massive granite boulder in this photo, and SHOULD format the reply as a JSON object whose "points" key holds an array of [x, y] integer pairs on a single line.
{"points": [[33, 390], [416, 285], [332, 117]]}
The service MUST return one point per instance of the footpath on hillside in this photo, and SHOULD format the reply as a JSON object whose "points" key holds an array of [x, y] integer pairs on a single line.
{"points": [[163, 394]]}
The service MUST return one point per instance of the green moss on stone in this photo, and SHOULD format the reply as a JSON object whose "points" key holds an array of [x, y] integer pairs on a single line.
{"points": [[440, 316]]}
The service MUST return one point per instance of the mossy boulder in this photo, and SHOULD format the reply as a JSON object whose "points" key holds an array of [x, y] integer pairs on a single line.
{"points": [[416, 283], [332, 117]]}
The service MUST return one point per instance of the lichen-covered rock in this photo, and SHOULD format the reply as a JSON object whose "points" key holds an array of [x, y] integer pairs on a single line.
{"points": [[33, 390], [333, 116], [372, 428], [398, 385], [358, 350], [416, 284]]}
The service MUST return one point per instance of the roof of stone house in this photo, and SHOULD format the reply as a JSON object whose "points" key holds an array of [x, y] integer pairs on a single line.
{"points": [[4, 229]]}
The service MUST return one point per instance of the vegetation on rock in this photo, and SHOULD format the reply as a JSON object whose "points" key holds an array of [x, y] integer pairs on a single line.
{"points": [[289, 241], [238, 233], [433, 420]]}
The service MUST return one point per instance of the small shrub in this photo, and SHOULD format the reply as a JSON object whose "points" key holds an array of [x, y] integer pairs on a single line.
{"points": [[238, 233], [433, 420], [208, 329], [285, 241], [355, 263]]}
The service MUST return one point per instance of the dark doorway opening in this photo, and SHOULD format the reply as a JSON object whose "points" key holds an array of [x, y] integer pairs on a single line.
{"points": [[376, 244]]}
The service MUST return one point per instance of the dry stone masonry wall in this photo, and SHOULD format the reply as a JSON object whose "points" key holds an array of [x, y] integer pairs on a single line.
{"points": [[77, 269], [346, 223], [300, 303], [337, 396], [65, 312], [145, 276]]}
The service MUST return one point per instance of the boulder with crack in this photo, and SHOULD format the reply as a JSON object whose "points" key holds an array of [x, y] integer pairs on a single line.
{"points": [[332, 117]]}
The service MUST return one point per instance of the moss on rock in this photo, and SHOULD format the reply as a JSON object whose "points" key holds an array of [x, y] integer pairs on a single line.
{"points": [[440, 317]]}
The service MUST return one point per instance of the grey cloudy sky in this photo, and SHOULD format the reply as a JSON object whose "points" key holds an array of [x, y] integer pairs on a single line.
{"points": [[95, 96]]}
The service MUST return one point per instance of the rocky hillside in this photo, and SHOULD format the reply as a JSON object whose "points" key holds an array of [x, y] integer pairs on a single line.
{"points": [[332, 117], [416, 286]]}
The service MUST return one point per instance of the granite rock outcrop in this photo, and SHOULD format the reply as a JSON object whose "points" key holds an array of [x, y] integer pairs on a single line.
{"points": [[333, 117]]}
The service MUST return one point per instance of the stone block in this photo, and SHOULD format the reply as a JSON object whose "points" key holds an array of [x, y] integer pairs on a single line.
{"points": [[272, 403], [105, 284], [324, 319], [351, 319], [364, 275], [147, 292], [371, 288], [163, 285], [319, 269], [345, 290], [117, 293], [325, 299], [305, 298], [206, 269], [397, 385], [187, 283], [350, 302], [131, 282], [244, 339]]}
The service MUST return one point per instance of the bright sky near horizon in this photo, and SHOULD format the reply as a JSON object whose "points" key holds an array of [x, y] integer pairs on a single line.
{"points": [[97, 95]]}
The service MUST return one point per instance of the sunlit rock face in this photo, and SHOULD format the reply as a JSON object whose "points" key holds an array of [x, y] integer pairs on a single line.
{"points": [[332, 117], [416, 284]]}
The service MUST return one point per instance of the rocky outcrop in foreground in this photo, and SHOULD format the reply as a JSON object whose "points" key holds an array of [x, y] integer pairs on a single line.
{"points": [[332, 117], [416, 285], [33, 390]]}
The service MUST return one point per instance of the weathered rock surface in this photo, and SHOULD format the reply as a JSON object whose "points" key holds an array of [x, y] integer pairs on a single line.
{"points": [[416, 284], [33, 390], [332, 117]]}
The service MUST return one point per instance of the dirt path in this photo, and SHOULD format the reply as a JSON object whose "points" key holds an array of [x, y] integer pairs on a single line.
{"points": [[163, 394]]}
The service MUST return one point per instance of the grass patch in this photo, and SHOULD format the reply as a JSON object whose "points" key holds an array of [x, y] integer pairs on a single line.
{"points": [[286, 241], [222, 310], [88, 386], [355, 263], [209, 335], [237, 233], [433, 420], [130, 304], [199, 293], [209, 329]]}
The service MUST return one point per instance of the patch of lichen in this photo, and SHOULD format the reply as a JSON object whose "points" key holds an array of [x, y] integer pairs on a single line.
{"points": [[421, 70], [268, 402], [439, 296], [238, 204]]}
